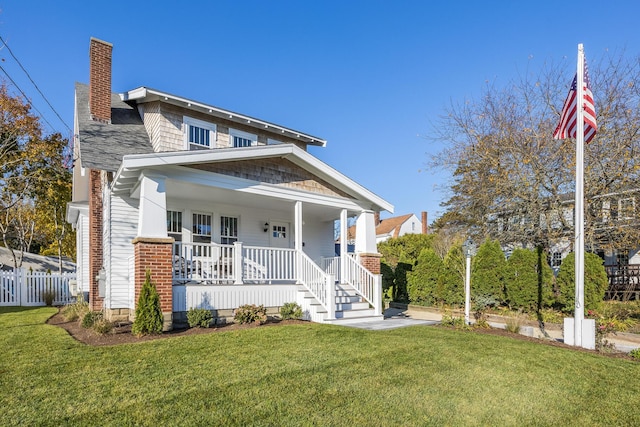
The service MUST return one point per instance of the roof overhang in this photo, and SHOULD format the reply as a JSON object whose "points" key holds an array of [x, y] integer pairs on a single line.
{"points": [[130, 172], [144, 94], [74, 209]]}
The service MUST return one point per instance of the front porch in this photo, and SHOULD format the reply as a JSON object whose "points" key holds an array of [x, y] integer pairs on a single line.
{"points": [[223, 277]]}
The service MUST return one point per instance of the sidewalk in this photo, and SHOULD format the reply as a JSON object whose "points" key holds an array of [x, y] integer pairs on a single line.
{"points": [[622, 341]]}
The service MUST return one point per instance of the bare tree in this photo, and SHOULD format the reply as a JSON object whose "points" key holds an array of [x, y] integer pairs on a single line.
{"points": [[514, 183]]}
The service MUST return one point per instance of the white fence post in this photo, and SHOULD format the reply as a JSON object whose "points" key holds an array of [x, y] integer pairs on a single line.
{"points": [[24, 285]]}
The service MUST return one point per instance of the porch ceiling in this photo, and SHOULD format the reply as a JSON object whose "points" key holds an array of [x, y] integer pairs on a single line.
{"points": [[186, 192]]}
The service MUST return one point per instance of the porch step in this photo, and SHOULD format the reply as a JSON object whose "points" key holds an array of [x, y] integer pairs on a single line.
{"points": [[349, 305]]}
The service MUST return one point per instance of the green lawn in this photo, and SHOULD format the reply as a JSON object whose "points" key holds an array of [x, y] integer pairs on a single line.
{"points": [[306, 375]]}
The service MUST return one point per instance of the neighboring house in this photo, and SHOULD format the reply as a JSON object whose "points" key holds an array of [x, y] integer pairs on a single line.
{"points": [[34, 262], [394, 227], [223, 209], [610, 213]]}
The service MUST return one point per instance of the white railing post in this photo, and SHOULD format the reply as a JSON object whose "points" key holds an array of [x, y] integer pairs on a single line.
{"points": [[237, 263], [331, 296], [377, 294]]}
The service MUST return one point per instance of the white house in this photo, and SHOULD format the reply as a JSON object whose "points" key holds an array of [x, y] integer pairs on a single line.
{"points": [[223, 209]]}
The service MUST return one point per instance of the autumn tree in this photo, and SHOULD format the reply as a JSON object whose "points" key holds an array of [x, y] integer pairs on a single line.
{"points": [[514, 183], [34, 180]]}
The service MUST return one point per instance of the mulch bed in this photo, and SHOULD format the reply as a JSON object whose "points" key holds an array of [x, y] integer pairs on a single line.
{"points": [[121, 333]]}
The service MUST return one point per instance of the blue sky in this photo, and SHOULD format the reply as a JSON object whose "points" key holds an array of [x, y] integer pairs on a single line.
{"points": [[370, 77]]}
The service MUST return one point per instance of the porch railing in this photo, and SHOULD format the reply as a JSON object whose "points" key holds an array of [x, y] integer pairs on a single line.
{"points": [[332, 266], [320, 284], [203, 263], [268, 264], [367, 284], [624, 282]]}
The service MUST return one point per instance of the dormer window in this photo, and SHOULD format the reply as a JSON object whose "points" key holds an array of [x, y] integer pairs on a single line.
{"points": [[199, 135], [242, 139]]}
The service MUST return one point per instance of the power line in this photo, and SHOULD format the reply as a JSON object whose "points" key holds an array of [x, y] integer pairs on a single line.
{"points": [[36, 86], [27, 98]]}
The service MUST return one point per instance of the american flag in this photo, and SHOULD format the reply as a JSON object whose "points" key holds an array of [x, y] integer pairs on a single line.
{"points": [[568, 118]]}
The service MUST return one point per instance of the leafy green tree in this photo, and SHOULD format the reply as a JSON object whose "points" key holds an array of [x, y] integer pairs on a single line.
{"points": [[488, 271], [422, 282], [148, 313], [595, 282], [529, 280]]}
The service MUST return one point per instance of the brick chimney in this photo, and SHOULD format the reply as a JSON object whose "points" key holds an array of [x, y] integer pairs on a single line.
{"points": [[425, 224], [100, 80], [376, 218]]}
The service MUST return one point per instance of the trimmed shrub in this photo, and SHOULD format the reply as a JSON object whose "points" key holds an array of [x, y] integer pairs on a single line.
{"points": [[291, 311], [595, 282], [422, 282], [250, 313], [488, 271], [529, 280], [450, 289], [199, 317], [635, 353], [148, 314]]}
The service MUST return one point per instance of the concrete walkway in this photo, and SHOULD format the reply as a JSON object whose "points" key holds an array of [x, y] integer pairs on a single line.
{"points": [[402, 317]]}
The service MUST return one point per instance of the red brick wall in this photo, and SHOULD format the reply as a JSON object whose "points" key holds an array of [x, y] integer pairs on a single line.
{"points": [[371, 262], [155, 255], [95, 237], [100, 80]]}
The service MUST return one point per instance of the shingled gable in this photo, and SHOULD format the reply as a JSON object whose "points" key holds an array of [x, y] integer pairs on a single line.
{"points": [[103, 145]]}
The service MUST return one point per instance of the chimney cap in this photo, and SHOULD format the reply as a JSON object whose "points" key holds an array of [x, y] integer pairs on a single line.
{"points": [[95, 39]]}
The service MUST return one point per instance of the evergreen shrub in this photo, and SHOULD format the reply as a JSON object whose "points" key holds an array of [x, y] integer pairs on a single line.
{"points": [[488, 271], [199, 317], [148, 313], [529, 280], [290, 311], [595, 282], [422, 282], [250, 313]]}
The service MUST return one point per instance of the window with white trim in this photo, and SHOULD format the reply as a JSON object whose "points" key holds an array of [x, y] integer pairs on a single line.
{"points": [[199, 135], [228, 230], [239, 138], [174, 225], [201, 228]]}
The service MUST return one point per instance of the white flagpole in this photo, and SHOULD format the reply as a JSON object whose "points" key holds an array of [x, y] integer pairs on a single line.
{"points": [[579, 202]]}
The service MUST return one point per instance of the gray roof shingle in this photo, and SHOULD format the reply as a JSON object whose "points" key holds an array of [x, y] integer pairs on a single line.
{"points": [[102, 145]]}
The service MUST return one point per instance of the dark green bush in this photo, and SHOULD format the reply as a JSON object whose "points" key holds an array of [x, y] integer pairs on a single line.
{"points": [[450, 288], [529, 280], [422, 282], [250, 313], [595, 282], [488, 271], [199, 317], [148, 314], [290, 310]]}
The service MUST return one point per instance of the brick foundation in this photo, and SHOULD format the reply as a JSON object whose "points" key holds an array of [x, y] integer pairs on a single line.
{"points": [[154, 254], [371, 262]]}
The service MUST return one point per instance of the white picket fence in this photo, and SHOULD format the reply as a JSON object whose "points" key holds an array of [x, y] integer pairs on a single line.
{"points": [[22, 287]]}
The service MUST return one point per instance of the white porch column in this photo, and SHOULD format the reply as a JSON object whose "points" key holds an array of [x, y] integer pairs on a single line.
{"points": [[344, 227], [298, 226], [366, 233], [152, 212]]}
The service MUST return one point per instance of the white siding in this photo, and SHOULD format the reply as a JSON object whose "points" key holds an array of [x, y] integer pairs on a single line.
{"points": [[124, 224], [411, 226], [82, 252], [106, 244]]}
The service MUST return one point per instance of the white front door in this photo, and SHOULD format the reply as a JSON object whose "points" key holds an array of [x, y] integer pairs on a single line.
{"points": [[279, 235]]}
